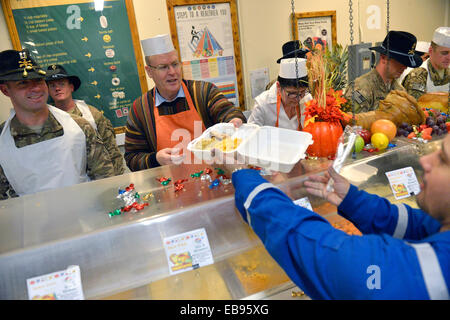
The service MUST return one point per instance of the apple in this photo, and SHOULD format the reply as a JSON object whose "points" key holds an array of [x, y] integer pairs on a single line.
{"points": [[365, 134], [359, 144]]}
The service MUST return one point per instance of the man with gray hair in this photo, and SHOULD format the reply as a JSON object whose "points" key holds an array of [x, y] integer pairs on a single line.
{"points": [[173, 103]]}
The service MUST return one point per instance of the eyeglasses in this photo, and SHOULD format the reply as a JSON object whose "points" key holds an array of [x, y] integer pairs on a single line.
{"points": [[296, 95], [165, 67]]}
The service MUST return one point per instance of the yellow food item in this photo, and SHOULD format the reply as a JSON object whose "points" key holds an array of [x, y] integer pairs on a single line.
{"points": [[206, 144], [379, 140], [228, 144]]}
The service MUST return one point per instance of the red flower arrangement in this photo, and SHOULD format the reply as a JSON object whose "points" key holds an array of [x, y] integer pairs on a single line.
{"points": [[323, 114], [331, 112]]}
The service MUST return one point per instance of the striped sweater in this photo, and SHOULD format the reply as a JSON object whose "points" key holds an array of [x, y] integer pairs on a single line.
{"points": [[140, 134]]}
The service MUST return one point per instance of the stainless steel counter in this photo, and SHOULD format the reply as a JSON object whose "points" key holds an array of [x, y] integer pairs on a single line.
{"points": [[123, 257]]}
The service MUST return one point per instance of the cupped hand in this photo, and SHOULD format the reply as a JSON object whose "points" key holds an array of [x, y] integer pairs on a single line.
{"points": [[169, 156], [317, 186], [237, 122]]}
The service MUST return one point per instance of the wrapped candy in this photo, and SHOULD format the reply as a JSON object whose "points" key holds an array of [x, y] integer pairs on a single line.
{"points": [[214, 184], [164, 181], [131, 199], [197, 174], [178, 184]]}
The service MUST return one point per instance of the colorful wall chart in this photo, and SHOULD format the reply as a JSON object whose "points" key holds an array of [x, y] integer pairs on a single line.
{"points": [[207, 46]]}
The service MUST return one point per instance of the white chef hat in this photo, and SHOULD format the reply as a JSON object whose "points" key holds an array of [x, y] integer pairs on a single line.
{"points": [[422, 46], [288, 71], [157, 45], [442, 37]]}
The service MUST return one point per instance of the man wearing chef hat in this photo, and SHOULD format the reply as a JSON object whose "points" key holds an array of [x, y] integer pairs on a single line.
{"points": [[282, 105], [434, 74], [163, 120]]}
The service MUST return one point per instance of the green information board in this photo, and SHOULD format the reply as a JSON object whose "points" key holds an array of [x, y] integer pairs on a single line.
{"points": [[97, 46]]}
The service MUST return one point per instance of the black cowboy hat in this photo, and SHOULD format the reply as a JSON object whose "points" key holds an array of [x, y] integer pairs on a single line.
{"points": [[56, 72], [402, 48], [19, 65], [291, 49]]}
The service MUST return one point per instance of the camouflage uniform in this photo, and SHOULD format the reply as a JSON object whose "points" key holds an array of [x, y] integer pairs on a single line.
{"points": [[415, 82], [98, 162], [369, 90], [106, 132]]}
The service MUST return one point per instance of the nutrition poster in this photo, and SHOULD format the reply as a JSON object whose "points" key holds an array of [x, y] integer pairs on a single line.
{"points": [[207, 46], [95, 45], [312, 28], [188, 251]]}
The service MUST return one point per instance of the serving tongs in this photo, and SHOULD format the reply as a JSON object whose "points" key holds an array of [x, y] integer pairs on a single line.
{"points": [[347, 141]]}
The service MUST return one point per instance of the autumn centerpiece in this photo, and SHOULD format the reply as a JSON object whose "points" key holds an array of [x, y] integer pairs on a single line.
{"points": [[323, 113]]}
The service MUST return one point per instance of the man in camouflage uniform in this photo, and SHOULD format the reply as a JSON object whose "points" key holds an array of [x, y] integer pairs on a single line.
{"points": [[61, 86], [42, 147], [372, 87], [434, 74]]}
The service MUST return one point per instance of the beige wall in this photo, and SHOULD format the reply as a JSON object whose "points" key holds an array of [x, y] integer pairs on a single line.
{"points": [[265, 26]]}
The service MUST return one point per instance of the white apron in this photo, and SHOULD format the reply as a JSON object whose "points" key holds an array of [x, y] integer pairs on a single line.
{"points": [[430, 85], [46, 165], [86, 113]]}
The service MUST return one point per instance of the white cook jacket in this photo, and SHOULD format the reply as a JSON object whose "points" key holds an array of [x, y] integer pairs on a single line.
{"points": [[45, 165], [86, 112], [264, 112]]}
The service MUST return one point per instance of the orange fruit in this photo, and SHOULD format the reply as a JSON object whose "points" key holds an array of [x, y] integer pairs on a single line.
{"points": [[379, 140], [384, 126]]}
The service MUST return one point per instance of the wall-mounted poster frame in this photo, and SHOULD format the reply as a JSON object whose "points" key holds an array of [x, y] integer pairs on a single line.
{"points": [[315, 27], [94, 45], [206, 35]]}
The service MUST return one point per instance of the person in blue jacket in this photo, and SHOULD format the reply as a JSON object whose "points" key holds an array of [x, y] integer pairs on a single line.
{"points": [[404, 253]]}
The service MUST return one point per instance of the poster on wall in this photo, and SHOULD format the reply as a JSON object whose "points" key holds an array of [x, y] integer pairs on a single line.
{"points": [[204, 38], [314, 28], [93, 44]]}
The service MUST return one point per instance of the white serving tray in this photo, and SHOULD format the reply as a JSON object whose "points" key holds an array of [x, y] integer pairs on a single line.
{"points": [[273, 148]]}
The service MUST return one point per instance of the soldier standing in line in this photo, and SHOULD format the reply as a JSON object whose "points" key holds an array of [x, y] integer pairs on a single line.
{"points": [[42, 147], [61, 86]]}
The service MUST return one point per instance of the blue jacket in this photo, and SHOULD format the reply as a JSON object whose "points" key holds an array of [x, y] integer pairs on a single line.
{"points": [[401, 255]]}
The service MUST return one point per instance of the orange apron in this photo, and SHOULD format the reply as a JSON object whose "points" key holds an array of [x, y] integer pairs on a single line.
{"points": [[183, 121], [297, 110]]}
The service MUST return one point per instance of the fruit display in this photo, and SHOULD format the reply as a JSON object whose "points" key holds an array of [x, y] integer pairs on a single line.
{"points": [[365, 134], [359, 144], [384, 126], [379, 140], [436, 124]]}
